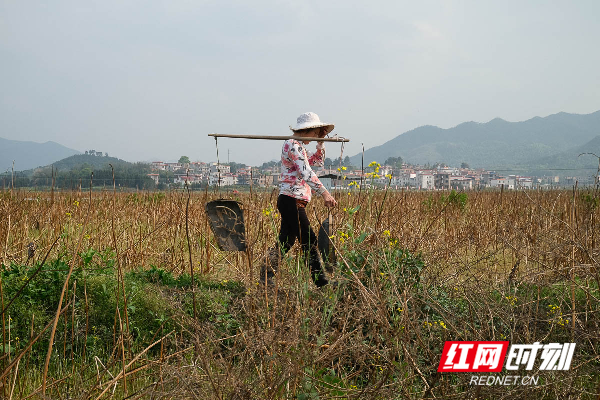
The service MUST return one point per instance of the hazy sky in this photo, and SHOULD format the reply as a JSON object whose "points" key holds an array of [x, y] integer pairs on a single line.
{"points": [[148, 80]]}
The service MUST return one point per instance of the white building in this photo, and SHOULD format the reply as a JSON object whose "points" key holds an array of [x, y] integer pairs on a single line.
{"points": [[154, 178], [460, 183], [215, 168], [226, 179], [524, 183], [508, 183], [426, 181], [158, 166], [173, 166], [188, 178]]}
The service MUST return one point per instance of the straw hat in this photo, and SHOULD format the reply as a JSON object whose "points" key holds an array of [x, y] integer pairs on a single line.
{"points": [[311, 120]]}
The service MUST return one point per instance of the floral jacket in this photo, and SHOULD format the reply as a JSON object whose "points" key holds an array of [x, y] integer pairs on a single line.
{"points": [[297, 177]]}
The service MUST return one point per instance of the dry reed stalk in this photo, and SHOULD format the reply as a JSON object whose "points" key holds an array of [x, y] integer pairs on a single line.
{"points": [[3, 335], [187, 235], [29, 345], [53, 331], [73, 328], [12, 389], [137, 357], [120, 282], [122, 347]]}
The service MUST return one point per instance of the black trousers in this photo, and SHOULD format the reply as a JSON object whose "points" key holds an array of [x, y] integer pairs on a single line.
{"points": [[295, 225]]}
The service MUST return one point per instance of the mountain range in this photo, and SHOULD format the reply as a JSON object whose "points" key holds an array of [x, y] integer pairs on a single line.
{"points": [[538, 143], [28, 155], [537, 146]]}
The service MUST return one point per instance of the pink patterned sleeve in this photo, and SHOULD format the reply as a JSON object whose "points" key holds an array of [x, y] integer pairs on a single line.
{"points": [[298, 155], [318, 158]]}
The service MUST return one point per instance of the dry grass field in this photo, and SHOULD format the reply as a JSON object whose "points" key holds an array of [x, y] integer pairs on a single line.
{"points": [[126, 295]]}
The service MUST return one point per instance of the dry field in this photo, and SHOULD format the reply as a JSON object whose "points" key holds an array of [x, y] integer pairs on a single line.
{"points": [[126, 295]]}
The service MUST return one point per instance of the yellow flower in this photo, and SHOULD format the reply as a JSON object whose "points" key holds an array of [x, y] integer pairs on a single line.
{"points": [[68, 214], [76, 203], [344, 168], [386, 233], [389, 176]]}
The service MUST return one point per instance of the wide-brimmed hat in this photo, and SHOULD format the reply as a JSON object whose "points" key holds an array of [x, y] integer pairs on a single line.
{"points": [[310, 120]]}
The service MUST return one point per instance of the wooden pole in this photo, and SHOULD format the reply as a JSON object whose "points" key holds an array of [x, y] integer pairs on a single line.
{"points": [[269, 137]]}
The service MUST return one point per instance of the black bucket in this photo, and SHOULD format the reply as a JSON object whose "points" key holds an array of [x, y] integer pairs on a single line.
{"points": [[227, 223], [325, 247]]}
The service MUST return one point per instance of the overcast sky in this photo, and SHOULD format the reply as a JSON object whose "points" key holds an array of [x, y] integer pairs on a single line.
{"points": [[148, 80]]}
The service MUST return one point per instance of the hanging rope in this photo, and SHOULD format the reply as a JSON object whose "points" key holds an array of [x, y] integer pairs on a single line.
{"points": [[218, 166], [340, 164]]}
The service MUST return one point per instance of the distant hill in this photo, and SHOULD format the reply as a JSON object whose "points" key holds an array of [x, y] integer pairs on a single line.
{"points": [[29, 155], [489, 145], [80, 161], [77, 170], [569, 160]]}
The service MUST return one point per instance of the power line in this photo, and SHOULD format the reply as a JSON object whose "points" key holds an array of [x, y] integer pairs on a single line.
{"points": [[542, 169]]}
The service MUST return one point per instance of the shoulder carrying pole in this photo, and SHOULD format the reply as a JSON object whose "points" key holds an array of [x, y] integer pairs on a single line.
{"points": [[269, 137]]}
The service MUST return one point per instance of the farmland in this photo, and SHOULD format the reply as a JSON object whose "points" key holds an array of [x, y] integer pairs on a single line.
{"points": [[126, 295]]}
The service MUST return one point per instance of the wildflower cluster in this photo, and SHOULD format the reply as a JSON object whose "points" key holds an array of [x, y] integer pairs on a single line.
{"points": [[375, 174], [556, 316], [512, 300], [435, 323], [269, 212], [388, 235], [343, 237], [354, 183]]}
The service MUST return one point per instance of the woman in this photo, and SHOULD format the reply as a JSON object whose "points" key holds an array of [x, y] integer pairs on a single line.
{"points": [[297, 181]]}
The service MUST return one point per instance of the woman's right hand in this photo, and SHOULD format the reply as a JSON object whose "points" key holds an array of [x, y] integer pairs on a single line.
{"points": [[329, 200]]}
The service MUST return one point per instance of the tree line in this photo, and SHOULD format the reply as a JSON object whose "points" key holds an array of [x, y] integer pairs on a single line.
{"points": [[125, 175]]}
